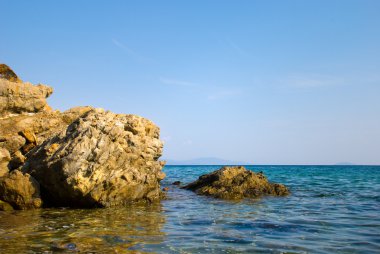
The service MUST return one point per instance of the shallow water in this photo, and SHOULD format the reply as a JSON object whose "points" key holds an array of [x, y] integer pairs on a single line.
{"points": [[332, 209]]}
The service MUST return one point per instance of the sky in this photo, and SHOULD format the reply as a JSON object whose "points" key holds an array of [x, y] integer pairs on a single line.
{"points": [[264, 82]]}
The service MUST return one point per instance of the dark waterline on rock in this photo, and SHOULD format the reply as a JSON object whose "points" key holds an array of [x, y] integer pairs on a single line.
{"points": [[332, 209]]}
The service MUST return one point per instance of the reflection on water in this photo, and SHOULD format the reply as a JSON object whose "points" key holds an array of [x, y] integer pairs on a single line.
{"points": [[78, 230], [330, 210]]}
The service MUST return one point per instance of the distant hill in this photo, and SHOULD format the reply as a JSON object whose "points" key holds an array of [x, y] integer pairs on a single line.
{"points": [[205, 161], [344, 164]]}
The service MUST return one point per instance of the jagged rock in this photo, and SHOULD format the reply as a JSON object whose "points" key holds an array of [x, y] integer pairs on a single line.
{"points": [[5, 157], [20, 190], [18, 98], [102, 159], [7, 73], [235, 183], [21, 133]]}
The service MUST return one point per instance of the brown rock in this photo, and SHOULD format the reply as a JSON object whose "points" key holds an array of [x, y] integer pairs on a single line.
{"points": [[102, 159], [7, 73], [235, 183], [29, 136], [19, 98], [17, 160], [20, 190]]}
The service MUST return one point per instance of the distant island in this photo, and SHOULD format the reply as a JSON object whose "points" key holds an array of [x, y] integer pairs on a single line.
{"points": [[206, 161], [345, 164]]}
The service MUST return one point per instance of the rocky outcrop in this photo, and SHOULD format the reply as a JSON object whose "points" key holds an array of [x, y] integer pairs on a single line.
{"points": [[26, 119], [235, 183], [83, 157], [102, 159], [20, 190]]}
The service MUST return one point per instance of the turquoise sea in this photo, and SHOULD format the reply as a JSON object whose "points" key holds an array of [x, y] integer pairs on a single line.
{"points": [[332, 209]]}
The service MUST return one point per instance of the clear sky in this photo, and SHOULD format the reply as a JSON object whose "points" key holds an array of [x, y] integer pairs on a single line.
{"points": [[267, 82]]}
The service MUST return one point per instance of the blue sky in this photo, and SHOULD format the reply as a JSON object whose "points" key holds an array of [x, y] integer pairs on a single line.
{"points": [[267, 82]]}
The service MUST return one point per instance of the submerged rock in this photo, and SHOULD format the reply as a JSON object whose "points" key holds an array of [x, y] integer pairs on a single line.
{"points": [[176, 183], [4, 206], [102, 159], [235, 183], [20, 190]]}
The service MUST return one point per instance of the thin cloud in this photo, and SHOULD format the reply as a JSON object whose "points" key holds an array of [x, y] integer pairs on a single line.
{"points": [[312, 81], [131, 52], [236, 48], [177, 82], [224, 94], [123, 47], [211, 92]]}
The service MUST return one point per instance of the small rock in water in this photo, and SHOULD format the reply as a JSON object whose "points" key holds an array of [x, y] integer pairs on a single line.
{"points": [[177, 183], [235, 183], [165, 188]]}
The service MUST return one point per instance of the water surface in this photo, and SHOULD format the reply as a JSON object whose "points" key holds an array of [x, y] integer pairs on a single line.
{"points": [[332, 209]]}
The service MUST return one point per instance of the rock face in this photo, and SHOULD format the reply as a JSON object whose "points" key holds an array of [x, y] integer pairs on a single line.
{"points": [[235, 183], [24, 131], [20, 190], [102, 159]]}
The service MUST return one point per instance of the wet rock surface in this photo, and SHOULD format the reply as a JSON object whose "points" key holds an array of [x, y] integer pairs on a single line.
{"points": [[235, 183]]}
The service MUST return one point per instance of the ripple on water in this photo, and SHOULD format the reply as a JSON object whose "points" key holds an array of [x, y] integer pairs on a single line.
{"points": [[330, 210]]}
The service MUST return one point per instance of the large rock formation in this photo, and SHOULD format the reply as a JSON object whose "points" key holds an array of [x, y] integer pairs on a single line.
{"points": [[235, 183], [102, 159]]}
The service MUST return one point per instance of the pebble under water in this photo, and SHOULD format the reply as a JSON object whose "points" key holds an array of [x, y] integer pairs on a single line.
{"points": [[332, 209]]}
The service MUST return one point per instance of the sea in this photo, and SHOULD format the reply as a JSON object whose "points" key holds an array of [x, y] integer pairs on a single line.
{"points": [[331, 209]]}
